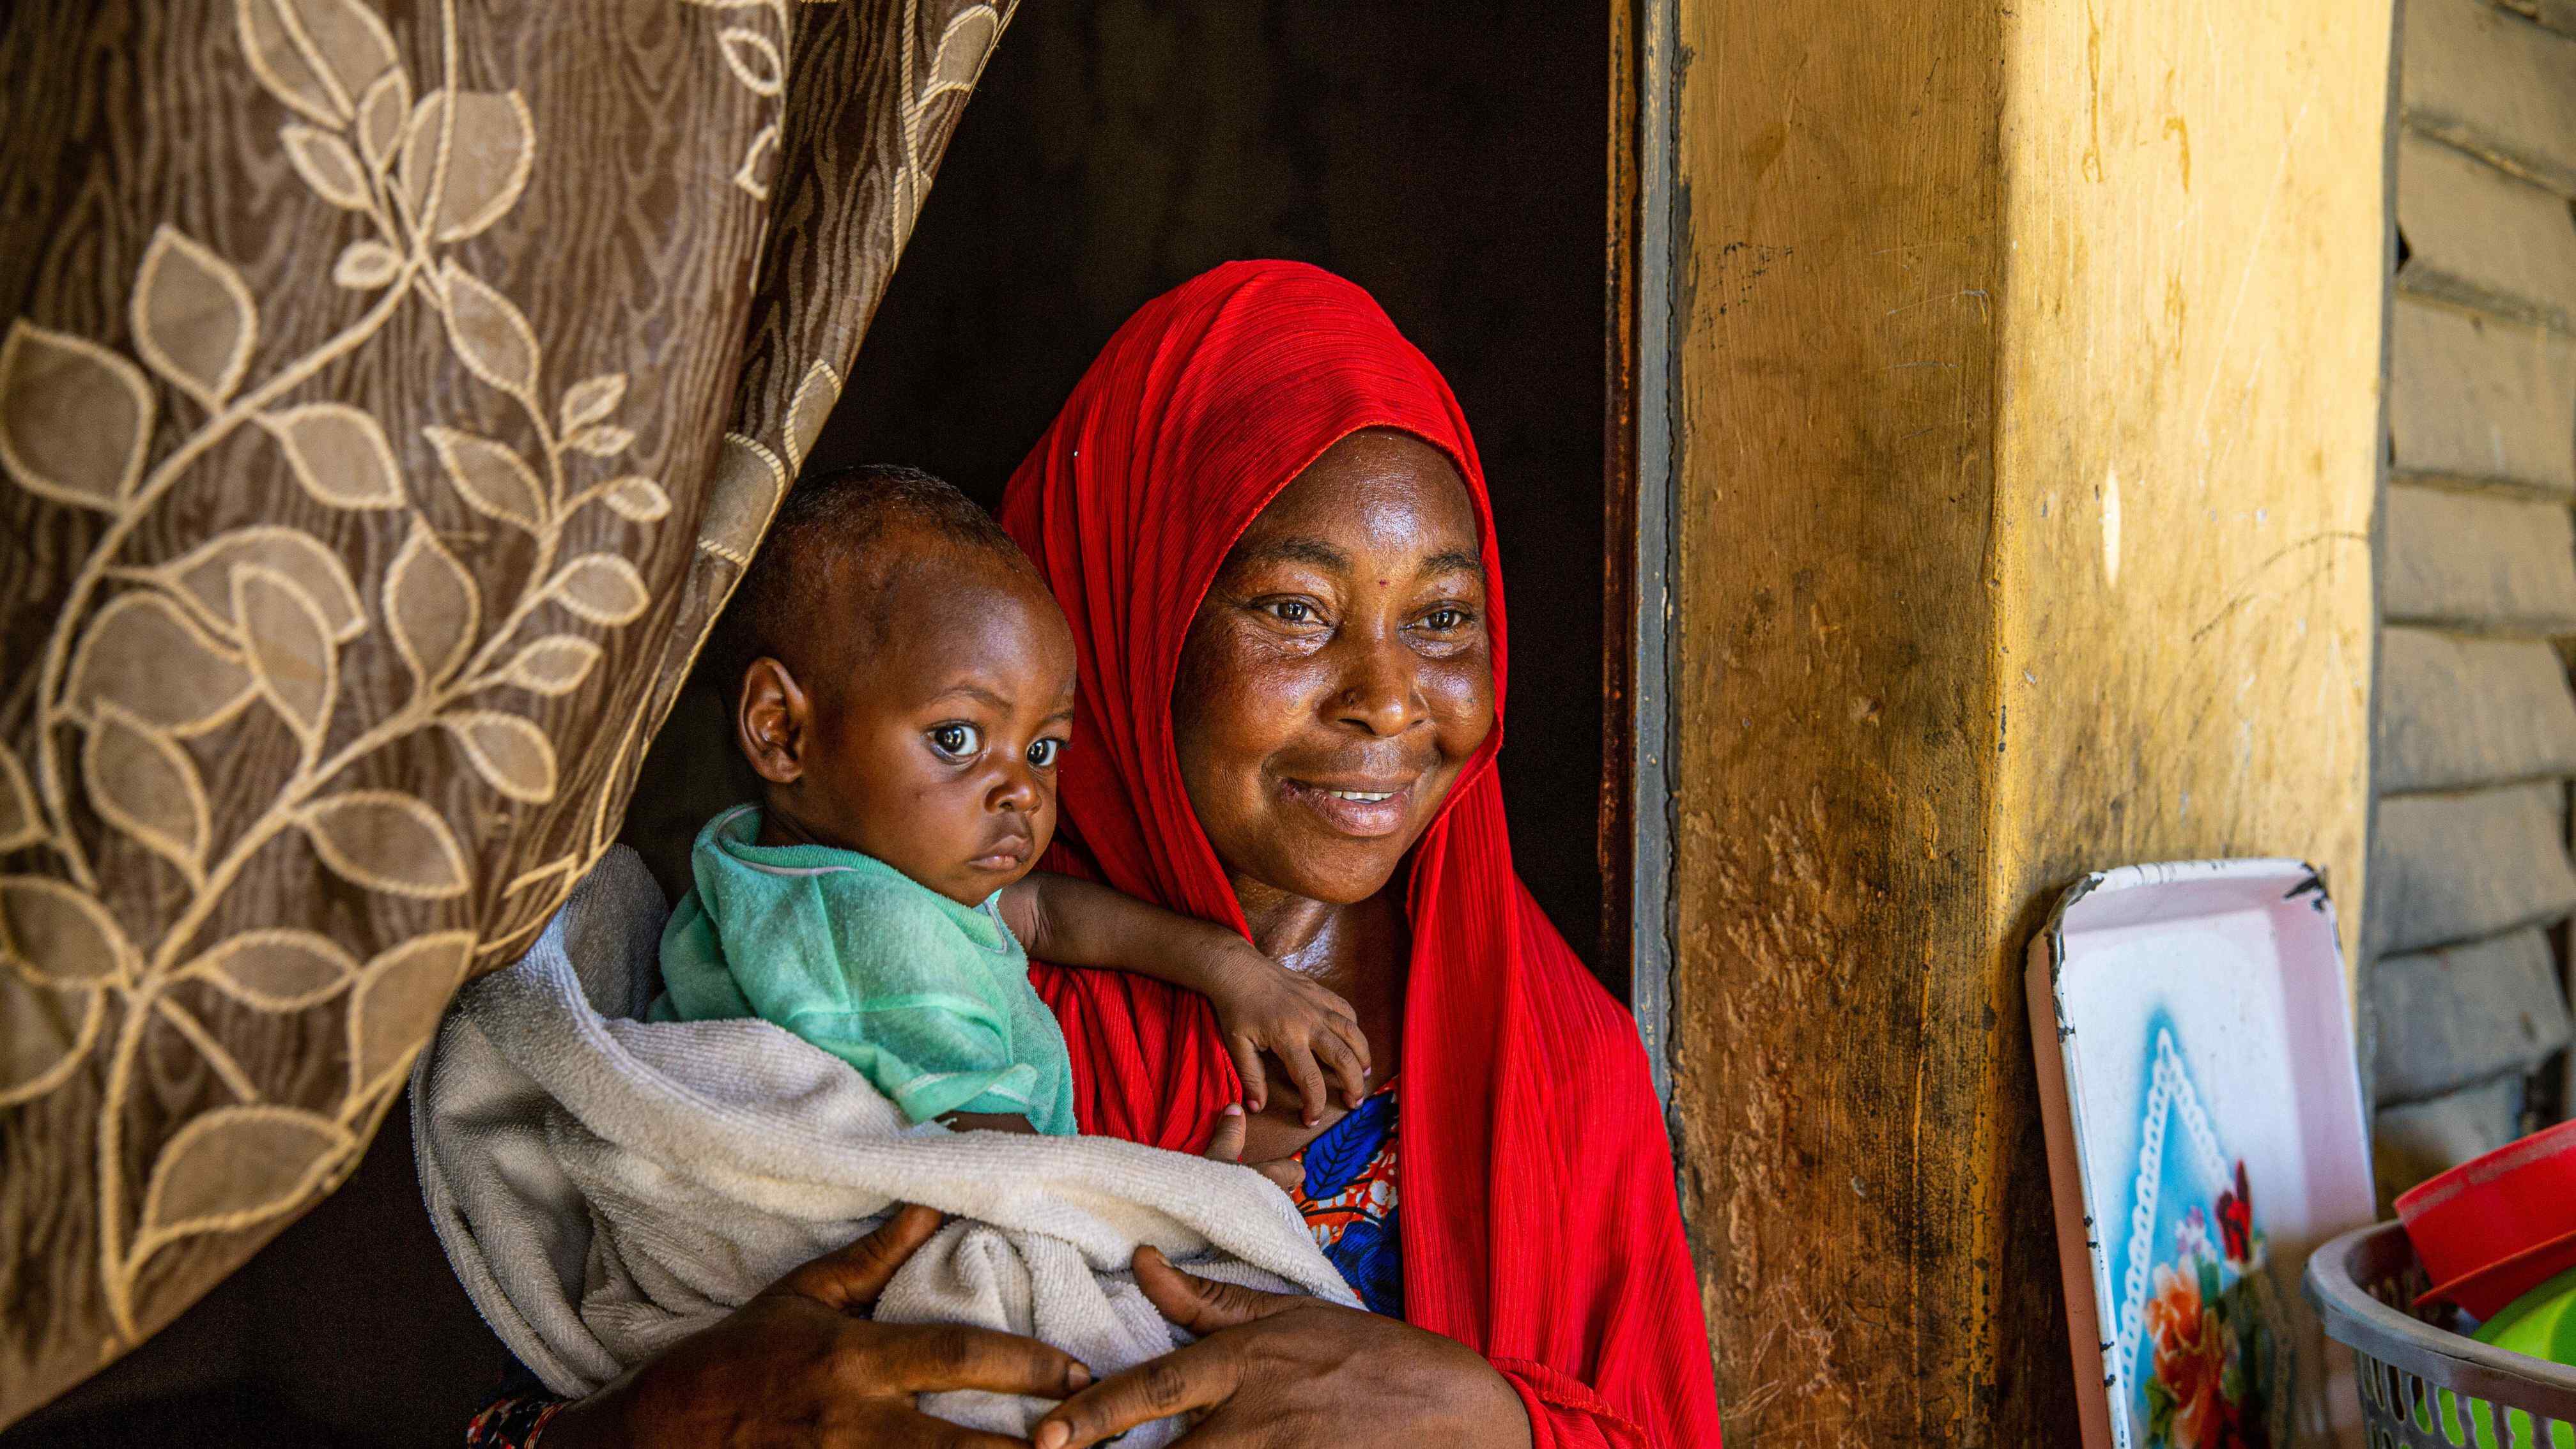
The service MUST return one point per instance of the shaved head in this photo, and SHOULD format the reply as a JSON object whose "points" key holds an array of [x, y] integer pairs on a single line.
{"points": [[829, 574]]}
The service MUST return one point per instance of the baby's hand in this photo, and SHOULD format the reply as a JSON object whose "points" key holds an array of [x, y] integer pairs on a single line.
{"points": [[1226, 1145], [1263, 1006]]}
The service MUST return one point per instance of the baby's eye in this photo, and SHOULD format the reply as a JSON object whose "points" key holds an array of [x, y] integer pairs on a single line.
{"points": [[1043, 753], [956, 741]]}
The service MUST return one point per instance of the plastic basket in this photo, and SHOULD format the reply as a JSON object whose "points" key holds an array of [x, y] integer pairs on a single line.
{"points": [[2422, 1383]]}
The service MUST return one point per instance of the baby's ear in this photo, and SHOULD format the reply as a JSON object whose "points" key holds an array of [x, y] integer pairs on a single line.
{"points": [[770, 717]]}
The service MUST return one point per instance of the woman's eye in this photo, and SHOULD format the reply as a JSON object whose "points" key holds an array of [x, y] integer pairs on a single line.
{"points": [[1043, 754], [957, 741], [1445, 618], [1291, 611]]}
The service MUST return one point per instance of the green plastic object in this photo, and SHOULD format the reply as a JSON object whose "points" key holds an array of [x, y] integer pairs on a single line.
{"points": [[2541, 1323]]}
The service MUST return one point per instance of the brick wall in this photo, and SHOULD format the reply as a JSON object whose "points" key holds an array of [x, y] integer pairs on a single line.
{"points": [[2475, 739]]}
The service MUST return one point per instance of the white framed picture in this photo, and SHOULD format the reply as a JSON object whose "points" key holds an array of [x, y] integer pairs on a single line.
{"points": [[2202, 1102]]}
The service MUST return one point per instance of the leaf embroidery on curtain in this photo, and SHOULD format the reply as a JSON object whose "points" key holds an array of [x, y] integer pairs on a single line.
{"points": [[806, 414], [742, 492], [955, 63], [75, 418], [295, 775], [21, 823], [143, 659], [758, 62]]}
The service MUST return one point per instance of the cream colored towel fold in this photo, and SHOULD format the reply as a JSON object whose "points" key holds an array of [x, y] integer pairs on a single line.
{"points": [[606, 1186]]}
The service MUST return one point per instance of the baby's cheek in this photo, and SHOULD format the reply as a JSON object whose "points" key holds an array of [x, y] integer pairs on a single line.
{"points": [[944, 816]]}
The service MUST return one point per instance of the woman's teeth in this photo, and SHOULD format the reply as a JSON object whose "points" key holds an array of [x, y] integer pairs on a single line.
{"points": [[1369, 795]]}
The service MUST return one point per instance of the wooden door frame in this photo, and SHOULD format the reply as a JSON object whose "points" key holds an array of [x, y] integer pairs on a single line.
{"points": [[1636, 826]]}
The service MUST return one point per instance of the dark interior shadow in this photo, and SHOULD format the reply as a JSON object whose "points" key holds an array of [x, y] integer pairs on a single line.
{"points": [[1450, 159]]}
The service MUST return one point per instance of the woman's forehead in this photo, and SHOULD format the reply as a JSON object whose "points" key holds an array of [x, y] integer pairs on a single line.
{"points": [[1382, 493]]}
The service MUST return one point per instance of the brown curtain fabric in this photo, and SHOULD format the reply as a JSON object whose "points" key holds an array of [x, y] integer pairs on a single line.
{"points": [[393, 391]]}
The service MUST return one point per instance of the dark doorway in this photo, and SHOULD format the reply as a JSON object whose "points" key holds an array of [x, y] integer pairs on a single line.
{"points": [[1451, 159]]}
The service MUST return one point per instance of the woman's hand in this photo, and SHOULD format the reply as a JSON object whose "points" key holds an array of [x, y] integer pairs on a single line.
{"points": [[1273, 1369], [802, 1365], [1263, 1006]]}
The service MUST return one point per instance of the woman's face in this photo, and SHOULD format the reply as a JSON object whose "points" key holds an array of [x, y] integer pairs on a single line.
{"points": [[1339, 673]]}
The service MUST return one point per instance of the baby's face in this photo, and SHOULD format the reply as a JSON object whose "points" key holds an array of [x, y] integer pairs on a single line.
{"points": [[938, 751]]}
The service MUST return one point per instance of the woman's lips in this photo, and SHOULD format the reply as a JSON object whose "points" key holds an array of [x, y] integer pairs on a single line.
{"points": [[1362, 808]]}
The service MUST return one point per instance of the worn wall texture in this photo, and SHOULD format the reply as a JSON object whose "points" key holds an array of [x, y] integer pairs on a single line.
{"points": [[2028, 408], [2476, 727]]}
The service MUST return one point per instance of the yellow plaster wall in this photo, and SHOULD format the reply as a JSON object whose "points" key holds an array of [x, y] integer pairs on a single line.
{"points": [[2187, 445], [1944, 275]]}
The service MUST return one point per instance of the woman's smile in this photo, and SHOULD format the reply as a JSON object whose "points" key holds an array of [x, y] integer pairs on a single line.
{"points": [[1365, 809]]}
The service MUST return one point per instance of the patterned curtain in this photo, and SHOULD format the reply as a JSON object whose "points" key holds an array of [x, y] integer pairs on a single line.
{"points": [[391, 393]]}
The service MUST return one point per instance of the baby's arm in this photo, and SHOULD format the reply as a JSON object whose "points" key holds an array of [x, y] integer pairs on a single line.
{"points": [[1260, 1004]]}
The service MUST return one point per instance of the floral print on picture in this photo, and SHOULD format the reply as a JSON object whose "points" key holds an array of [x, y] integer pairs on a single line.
{"points": [[2209, 1330]]}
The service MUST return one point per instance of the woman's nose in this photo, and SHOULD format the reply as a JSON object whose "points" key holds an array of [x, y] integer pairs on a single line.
{"points": [[1380, 694]]}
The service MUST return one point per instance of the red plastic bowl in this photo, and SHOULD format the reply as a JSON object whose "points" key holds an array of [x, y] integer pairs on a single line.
{"points": [[2497, 1226]]}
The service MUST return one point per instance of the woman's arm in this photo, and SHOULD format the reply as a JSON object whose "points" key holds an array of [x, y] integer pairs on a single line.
{"points": [[1261, 1005], [802, 1363], [1269, 1368]]}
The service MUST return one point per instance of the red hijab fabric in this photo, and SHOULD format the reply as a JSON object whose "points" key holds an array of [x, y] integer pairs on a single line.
{"points": [[1539, 1223]]}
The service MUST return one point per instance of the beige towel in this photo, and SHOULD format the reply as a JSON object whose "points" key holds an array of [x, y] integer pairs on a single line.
{"points": [[606, 1186]]}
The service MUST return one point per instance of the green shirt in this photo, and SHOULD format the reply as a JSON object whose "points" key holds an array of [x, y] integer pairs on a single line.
{"points": [[928, 999]]}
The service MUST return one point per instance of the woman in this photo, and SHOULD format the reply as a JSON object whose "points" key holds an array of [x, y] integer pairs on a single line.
{"points": [[1264, 517]]}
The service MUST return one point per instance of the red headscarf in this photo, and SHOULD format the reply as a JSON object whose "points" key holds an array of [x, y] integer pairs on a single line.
{"points": [[1539, 1224]]}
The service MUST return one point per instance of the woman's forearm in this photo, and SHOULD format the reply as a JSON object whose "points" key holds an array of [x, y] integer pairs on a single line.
{"points": [[1494, 1410]]}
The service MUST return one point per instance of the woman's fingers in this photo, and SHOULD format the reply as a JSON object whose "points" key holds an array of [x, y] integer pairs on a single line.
{"points": [[912, 1429], [930, 1358], [1247, 1065], [1200, 1376], [848, 1279], [1227, 1144], [1203, 1305]]}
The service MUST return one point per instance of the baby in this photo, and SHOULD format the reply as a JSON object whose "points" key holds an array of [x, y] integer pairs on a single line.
{"points": [[904, 684]]}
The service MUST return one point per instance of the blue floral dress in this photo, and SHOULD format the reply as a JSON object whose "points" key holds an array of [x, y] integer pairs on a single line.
{"points": [[1347, 1198]]}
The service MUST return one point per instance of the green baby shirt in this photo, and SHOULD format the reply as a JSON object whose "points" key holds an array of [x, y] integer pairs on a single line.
{"points": [[928, 999]]}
